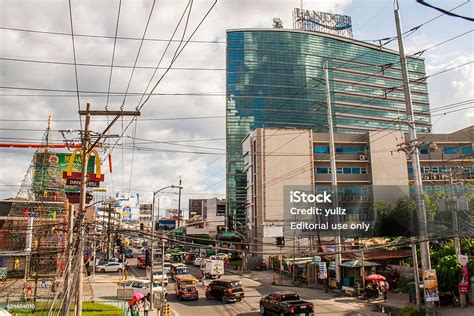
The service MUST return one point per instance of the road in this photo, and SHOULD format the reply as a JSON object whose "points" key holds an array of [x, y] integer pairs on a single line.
{"points": [[325, 303]]}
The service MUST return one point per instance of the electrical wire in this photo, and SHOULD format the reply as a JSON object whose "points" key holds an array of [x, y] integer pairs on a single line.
{"points": [[113, 55], [75, 65]]}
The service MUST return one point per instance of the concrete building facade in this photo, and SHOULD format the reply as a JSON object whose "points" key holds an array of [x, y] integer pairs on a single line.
{"points": [[367, 164]]}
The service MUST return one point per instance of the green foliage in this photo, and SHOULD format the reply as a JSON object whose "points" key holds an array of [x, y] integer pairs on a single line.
{"points": [[411, 311], [397, 219], [447, 266], [402, 285]]}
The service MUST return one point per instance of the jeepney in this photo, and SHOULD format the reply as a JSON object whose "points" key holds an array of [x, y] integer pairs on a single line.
{"points": [[185, 287]]}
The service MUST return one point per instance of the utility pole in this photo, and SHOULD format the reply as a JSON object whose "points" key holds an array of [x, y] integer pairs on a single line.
{"points": [[416, 275], [415, 155], [82, 209], [457, 243], [152, 250], [86, 149], [332, 158], [69, 258], [179, 202]]}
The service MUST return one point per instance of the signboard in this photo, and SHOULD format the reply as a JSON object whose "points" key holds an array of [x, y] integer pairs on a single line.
{"points": [[167, 224], [196, 207], [308, 20], [463, 260], [46, 173], [323, 272], [129, 205], [430, 283], [272, 231]]}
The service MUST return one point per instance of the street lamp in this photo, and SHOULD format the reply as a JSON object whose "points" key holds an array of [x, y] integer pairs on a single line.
{"points": [[151, 243]]}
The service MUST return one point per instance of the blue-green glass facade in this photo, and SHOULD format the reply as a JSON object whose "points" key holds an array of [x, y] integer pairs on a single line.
{"points": [[275, 78]]}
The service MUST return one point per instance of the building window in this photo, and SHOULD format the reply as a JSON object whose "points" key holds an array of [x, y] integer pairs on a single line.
{"points": [[347, 170], [363, 170], [434, 169], [339, 170], [321, 149], [466, 149], [424, 150], [323, 170], [425, 169], [246, 159], [350, 150], [355, 170], [410, 169], [450, 150]]}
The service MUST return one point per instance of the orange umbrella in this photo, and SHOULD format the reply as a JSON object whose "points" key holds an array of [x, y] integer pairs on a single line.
{"points": [[375, 277]]}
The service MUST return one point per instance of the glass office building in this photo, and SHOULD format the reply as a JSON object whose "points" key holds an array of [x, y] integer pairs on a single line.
{"points": [[275, 79]]}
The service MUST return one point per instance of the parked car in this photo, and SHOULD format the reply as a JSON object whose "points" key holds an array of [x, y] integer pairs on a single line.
{"points": [[110, 267], [144, 286], [285, 303], [198, 261], [226, 291]]}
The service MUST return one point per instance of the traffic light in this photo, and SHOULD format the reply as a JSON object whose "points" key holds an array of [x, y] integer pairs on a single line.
{"points": [[280, 241], [147, 258]]}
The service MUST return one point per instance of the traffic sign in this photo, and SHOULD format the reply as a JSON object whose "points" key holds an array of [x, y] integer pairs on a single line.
{"points": [[463, 259]]}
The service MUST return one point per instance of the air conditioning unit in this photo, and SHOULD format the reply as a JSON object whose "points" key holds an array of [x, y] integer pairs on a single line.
{"points": [[434, 177], [362, 157], [425, 177], [366, 198]]}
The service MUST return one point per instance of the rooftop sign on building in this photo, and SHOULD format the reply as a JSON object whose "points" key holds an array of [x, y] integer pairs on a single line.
{"points": [[309, 20]]}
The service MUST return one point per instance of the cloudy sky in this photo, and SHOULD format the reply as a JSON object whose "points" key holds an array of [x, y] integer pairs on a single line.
{"points": [[195, 90]]}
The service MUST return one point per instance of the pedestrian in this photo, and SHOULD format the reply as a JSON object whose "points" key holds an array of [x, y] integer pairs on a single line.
{"points": [[135, 308], [146, 306], [130, 306], [385, 289], [202, 278]]}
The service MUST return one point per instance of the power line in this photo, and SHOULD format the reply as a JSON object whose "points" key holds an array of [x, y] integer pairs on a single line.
{"points": [[422, 2], [105, 36], [138, 55], [75, 65], [113, 54]]}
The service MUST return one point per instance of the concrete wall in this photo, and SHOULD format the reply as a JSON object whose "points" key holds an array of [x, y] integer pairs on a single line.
{"points": [[281, 157], [388, 166]]}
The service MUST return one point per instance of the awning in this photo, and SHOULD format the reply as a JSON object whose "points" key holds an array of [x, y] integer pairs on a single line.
{"points": [[358, 263]]}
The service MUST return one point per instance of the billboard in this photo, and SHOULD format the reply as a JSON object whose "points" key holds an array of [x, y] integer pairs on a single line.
{"points": [[129, 205], [167, 224]]}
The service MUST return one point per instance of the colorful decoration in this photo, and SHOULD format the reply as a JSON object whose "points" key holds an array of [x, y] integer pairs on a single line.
{"points": [[16, 265]]}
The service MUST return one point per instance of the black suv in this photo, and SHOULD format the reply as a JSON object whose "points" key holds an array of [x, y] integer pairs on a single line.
{"points": [[226, 291]]}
